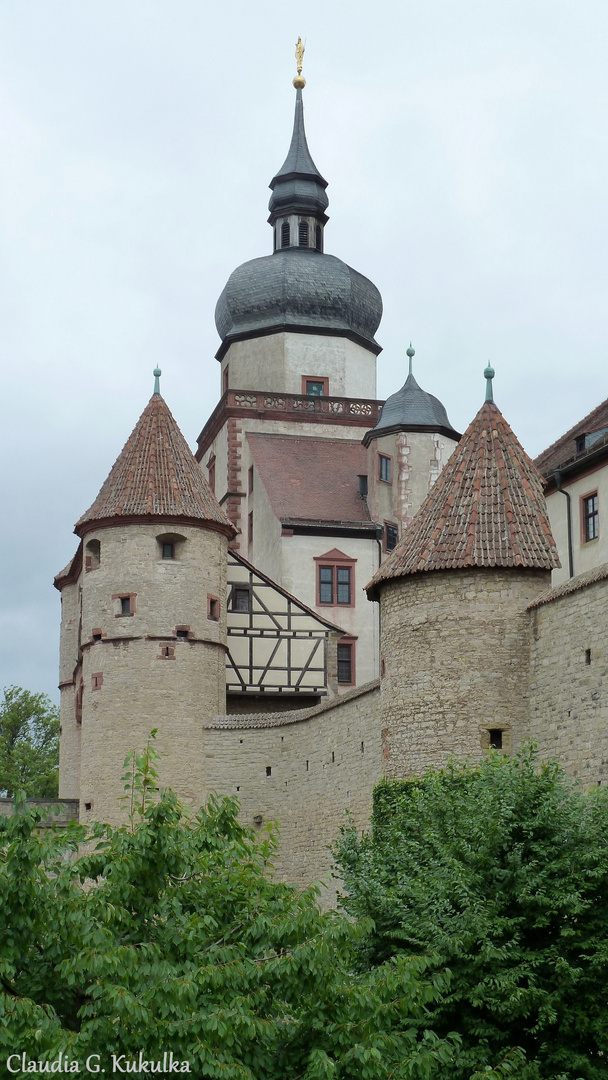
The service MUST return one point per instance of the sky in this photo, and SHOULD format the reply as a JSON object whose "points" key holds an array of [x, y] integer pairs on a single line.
{"points": [[466, 148]]}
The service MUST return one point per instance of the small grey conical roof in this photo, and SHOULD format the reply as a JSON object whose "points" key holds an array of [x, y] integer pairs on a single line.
{"points": [[298, 186]]}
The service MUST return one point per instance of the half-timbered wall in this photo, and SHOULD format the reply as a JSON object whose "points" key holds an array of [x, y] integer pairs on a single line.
{"points": [[276, 645]]}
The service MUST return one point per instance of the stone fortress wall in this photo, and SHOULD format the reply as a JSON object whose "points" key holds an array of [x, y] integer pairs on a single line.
{"points": [[304, 770], [569, 676]]}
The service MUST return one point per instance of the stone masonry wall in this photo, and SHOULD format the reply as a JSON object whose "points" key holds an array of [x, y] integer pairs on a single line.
{"points": [[305, 771], [69, 743], [136, 673], [456, 660], [569, 678]]}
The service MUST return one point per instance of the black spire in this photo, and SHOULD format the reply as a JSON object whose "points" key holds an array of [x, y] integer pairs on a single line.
{"points": [[298, 187]]}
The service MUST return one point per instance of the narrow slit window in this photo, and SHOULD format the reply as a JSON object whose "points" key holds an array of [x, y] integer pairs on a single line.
{"points": [[319, 238]]}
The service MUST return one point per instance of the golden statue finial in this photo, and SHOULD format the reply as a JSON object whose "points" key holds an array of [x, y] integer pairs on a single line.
{"points": [[299, 82]]}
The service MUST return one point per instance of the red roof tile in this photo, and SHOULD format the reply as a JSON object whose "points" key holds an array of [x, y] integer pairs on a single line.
{"points": [[155, 476], [564, 449], [486, 509], [309, 479]]}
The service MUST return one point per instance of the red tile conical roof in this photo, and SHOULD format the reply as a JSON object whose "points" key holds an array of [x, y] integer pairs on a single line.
{"points": [[155, 476], [486, 509]]}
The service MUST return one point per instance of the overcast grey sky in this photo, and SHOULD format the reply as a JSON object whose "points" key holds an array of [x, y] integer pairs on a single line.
{"points": [[465, 145]]}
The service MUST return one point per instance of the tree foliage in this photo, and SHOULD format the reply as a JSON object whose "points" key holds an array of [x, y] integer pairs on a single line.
{"points": [[499, 872], [29, 744], [172, 937]]}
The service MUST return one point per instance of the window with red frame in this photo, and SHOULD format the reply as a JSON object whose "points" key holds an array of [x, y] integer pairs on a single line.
{"points": [[335, 585], [346, 663], [591, 517]]}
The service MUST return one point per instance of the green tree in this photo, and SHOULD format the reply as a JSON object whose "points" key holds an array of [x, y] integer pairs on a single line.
{"points": [[173, 937], [29, 744], [499, 873]]}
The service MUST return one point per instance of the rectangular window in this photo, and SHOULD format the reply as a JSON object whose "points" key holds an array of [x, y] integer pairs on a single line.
{"points": [[335, 585], [213, 608], [168, 551], [125, 605], [211, 473], [591, 517], [343, 574], [391, 536], [250, 528], [241, 598], [496, 738], [384, 468], [225, 379], [345, 664], [250, 479], [315, 386], [326, 584], [96, 680]]}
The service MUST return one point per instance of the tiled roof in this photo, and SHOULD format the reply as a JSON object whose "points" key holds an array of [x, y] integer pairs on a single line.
{"points": [[486, 509], [156, 476], [564, 449], [239, 721], [311, 480], [581, 581]]}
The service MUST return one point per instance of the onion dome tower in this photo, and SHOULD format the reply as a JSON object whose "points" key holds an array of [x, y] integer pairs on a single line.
{"points": [[143, 635], [298, 290], [453, 599]]}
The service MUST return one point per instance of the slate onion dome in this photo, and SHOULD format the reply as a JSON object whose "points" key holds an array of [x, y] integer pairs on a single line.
{"points": [[298, 287], [412, 409]]}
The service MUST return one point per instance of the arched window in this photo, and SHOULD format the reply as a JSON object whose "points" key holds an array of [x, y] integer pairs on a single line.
{"points": [[285, 234], [303, 234], [318, 238], [92, 555]]}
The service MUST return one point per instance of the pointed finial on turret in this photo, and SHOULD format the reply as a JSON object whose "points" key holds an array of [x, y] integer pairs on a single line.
{"points": [[157, 374], [299, 82], [410, 352], [489, 375]]}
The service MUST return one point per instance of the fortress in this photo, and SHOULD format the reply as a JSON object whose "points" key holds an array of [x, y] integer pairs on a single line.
{"points": [[334, 589]]}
